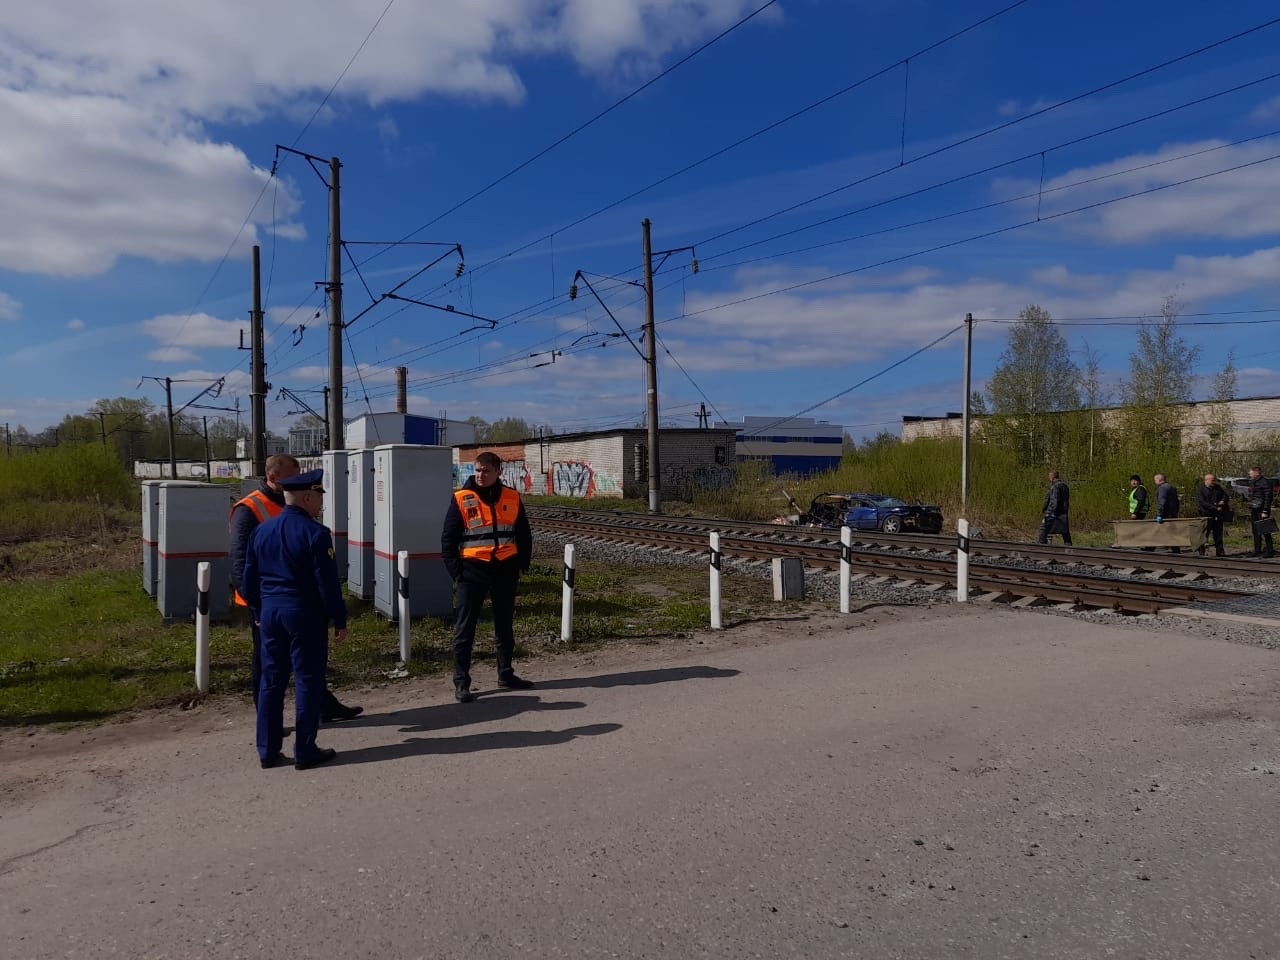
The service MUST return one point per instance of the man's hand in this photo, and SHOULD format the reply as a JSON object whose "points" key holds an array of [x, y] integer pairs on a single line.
{"points": [[340, 636]]}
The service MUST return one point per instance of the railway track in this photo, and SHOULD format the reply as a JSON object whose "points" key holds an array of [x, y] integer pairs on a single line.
{"points": [[910, 562]]}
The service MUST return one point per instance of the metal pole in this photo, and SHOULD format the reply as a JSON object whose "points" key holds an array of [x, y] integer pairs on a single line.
{"points": [[964, 446], [566, 596], [102, 425], [335, 440], [846, 554], [203, 577], [173, 454], [651, 358], [258, 393], [715, 581], [208, 461], [402, 593]]}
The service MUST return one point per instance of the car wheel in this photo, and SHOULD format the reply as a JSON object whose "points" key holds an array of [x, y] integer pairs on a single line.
{"points": [[892, 525]]}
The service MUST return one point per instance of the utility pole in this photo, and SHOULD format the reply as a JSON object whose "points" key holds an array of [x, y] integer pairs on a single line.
{"points": [[328, 433], [651, 358], [334, 290], [102, 425], [173, 453], [964, 444], [258, 393], [208, 460]]}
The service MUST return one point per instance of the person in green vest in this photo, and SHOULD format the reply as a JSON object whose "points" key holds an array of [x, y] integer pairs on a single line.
{"points": [[1139, 502]]}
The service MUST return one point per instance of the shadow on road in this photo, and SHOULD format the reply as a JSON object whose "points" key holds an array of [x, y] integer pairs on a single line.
{"points": [[638, 678], [442, 716], [472, 743]]}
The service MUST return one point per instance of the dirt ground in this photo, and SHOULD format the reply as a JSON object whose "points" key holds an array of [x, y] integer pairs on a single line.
{"points": [[903, 782]]}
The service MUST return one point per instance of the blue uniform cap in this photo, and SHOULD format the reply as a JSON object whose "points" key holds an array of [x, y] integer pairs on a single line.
{"points": [[311, 480]]}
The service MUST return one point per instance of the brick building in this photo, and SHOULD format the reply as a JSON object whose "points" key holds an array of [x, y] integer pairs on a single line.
{"points": [[609, 463]]}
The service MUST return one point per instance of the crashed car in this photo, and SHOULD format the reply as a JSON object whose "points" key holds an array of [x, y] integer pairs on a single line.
{"points": [[872, 511]]}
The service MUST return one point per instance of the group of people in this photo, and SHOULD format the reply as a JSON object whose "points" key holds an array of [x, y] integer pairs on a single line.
{"points": [[1212, 505], [285, 572]]}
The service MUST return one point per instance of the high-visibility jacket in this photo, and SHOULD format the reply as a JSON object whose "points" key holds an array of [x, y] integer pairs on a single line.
{"points": [[489, 533], [262, 507]]}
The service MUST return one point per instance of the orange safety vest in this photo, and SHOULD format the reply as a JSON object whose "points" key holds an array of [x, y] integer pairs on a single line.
{"points": [[489, 533], [262, 507]]}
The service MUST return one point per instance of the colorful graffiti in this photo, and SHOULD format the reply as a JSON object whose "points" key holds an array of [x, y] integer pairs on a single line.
{"points": [[573, 478], [515, 474]]}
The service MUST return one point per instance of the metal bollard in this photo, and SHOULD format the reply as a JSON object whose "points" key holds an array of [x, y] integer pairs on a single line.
{"points": [[715, 581], [202, 626], [846, 555], [402, 567], [962, 561], [566, 601]]}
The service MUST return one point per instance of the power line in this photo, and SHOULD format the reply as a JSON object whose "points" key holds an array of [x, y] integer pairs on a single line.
{"points": [[585, 124]]}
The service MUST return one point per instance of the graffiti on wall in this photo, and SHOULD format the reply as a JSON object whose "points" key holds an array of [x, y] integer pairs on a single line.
{"points": [[684, 480], [515, 474], [578, 478]]}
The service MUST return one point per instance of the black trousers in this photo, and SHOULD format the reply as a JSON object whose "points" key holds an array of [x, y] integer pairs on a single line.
{"points": [[1051, 525], [1259, 540], [469, 597], [329, 704], [1213, 529]]}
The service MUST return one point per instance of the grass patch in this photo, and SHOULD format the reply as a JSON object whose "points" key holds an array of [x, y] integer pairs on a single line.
{"points": [[93, 645]]}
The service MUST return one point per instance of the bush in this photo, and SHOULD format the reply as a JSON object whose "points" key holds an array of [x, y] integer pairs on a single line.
{"points": [[62, 491]]}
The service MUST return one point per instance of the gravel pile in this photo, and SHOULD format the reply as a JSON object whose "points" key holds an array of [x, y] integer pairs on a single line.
{"points": [[824, 587]]}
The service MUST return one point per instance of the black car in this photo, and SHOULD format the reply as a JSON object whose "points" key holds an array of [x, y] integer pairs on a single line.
{"points": [[872, 511]]}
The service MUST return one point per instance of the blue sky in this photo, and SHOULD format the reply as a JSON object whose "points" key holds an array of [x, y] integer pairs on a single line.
{"points": [[140, 137]]}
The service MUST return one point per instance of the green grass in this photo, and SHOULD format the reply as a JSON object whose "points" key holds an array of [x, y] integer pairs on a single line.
{"points": [[67, 491], [92, 644]]}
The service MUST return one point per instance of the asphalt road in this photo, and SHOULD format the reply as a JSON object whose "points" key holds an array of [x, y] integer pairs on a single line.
{"points": [[948, 783]]}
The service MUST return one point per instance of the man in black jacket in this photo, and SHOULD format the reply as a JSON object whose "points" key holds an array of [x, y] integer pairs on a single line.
{"points": [[487, 544], [1167, 503], [1211, 500], [1260, 496], [1056, 510]]}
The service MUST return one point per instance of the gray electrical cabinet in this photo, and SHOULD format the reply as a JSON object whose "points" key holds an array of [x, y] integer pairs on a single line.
{"points": [[360, 524], [412, 489], [192, 524], [337, 488]]}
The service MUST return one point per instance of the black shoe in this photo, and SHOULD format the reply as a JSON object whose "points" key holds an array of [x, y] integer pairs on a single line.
{"points": [[339, 713], [463, 694], [509, 681], [278, 760], [324, 756]]}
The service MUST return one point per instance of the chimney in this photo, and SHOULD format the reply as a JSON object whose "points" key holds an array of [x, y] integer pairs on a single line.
{"points": [[402, 389]]}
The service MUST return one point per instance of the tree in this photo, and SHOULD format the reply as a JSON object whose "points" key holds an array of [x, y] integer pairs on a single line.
{"points": [[1034, 382], [1161, 376], [1220, 423], [482, 427], [507, 429]]}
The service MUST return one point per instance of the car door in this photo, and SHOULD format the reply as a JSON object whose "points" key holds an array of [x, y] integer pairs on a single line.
{"points": [[862, 515]]}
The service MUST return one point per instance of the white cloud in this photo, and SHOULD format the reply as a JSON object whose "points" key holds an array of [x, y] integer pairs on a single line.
{"points": [[105, 104], [1015, 108], [172, 355], [194, 330], [1243, 203], [75, 323], [1266, 112], [10, 308]]}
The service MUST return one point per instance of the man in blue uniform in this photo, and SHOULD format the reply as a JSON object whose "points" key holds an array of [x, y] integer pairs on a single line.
{"points": [[290, 583]]}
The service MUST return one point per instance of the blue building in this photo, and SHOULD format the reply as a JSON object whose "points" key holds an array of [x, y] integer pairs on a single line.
{"points": [[792, 445]]}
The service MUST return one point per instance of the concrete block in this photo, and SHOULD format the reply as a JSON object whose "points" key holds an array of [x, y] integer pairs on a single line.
{"points": [[788, 578]]}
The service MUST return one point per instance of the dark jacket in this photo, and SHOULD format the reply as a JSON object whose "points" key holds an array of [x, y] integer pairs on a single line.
{"points": [[483, 571], [1167, 502], [289, 565], [1211, 501], [1057, 500], [243, 523], [1260, 495]]}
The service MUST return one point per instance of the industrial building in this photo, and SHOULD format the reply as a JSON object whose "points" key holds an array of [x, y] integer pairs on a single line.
{"points": [[791, 445], [1200, 425], [610, 463]]}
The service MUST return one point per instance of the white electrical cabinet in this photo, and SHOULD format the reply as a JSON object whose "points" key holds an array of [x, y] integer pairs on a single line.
{"points": [[192, 523], [150, 535], [360, 524], [336, 491], [412, 489]]}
